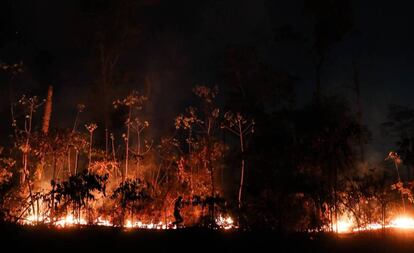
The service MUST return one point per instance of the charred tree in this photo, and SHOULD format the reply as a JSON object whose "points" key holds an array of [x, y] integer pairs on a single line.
{"points": [[48, 111]]}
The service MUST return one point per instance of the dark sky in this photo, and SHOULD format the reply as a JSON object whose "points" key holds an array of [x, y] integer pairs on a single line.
{"points": [[182, 42]]}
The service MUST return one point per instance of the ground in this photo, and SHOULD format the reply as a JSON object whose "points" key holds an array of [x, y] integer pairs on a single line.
{"points": [[95, 239]]}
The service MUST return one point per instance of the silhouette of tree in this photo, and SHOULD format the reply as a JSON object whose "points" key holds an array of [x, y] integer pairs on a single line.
{"points": [[77, 191]]}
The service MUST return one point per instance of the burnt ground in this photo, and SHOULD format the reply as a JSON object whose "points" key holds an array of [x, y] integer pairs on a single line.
{"points": [[96, 239]]}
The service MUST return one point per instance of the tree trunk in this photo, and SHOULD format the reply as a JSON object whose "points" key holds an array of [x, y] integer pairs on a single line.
{"points": [[127, 145], [90, 150], [319, 65], [242, 164], [138, 151], [359, 108], [52, 211], [241, 183], [48, 111]]}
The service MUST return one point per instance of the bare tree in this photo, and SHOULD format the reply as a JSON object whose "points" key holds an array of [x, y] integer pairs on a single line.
{"points": [[133, 102], [91, 128], [239, 126]]}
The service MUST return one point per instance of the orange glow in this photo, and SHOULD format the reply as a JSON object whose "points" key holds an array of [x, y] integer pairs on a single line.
{"points": [[403, 222], [69, 221], [225, 222], [347, 225]]}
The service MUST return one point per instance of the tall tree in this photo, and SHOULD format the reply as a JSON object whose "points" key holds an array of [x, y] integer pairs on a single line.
{"points": [[239, 126], [400, 126], [332, 22], [48, 111]]}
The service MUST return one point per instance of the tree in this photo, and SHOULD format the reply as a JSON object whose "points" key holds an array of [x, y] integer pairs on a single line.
{"points": [[204, 122], [91, 128], [48, 111], [6, 165], [332, 22], [239, 126], [139, 126], [129, 193], [400, 126], [133, 102], [77, 191]]}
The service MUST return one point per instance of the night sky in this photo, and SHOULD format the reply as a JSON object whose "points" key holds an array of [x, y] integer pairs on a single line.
{"points": [[182, 43]]}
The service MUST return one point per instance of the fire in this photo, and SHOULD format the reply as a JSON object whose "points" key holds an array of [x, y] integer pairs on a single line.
{"points": [[225, 222], [403, 222], [344, 225], [42, 215], [67, 221], [70, 221], [347, 225], [160, 225]]}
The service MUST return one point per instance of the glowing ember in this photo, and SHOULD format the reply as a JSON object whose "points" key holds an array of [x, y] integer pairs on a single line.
{"points": [[141, 225], [225, 222]]}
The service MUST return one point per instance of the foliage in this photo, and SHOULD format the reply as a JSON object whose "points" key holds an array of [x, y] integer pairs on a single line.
{"points": [[78, 189], [131, 191]]}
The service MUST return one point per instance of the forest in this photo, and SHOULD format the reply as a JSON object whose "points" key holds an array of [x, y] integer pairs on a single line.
{"points": [[243, 151]]}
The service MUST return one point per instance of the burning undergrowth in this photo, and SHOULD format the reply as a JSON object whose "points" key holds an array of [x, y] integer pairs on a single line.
{"points": [[60, 178], [75, 177]]}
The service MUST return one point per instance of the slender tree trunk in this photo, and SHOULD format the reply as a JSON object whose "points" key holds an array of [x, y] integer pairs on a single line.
{"points": [[48, 111], [79, 210], [359, 108], [383, 209], [37, 210], [52, 211], [76, 122], [127, 144], [26, 172], [242, 164], [90, 150], [76, 161], [114, 157], [335, 189], [138, 150], [190, 133], [106, 143], [399, 180], [69, 160], [213, 189], [318, 76]]}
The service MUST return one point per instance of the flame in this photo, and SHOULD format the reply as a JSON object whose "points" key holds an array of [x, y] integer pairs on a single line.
{"points": [[347, 225], [403, 222], [67, 221], [139, 224], [225, 222], [70, 220]]}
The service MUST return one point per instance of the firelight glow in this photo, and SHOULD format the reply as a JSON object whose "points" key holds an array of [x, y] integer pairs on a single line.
{"points": [[347, 225], [222, 222]]}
